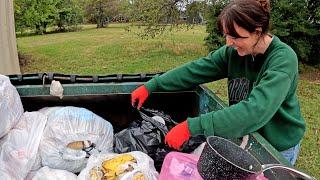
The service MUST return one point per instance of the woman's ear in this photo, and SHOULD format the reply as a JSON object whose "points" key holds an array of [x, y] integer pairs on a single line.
{"points": [[258, 31]]}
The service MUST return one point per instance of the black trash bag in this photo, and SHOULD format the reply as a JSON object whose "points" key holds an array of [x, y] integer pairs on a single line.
{"points": [[147, 135]]}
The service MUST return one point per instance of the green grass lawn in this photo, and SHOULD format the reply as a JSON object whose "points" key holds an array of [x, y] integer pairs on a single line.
{"points": [[109, 50], [114, 50]]}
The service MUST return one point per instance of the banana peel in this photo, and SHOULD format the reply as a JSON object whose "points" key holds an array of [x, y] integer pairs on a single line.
{"points": [[113, 169]]}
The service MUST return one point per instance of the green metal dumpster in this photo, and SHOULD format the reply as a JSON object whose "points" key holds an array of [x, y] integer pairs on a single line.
{"points": [[109, 97]]}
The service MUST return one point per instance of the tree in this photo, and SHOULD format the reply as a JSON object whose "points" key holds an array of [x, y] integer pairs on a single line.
{"points": [[195, 12], [314, 19], [296, 23], [35, 14], [158, 16], [101, 11], [70, 14], [214, 40], [22, 18]]}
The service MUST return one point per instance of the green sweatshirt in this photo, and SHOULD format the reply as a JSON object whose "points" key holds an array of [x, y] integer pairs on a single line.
{"points": [[261, 90]]}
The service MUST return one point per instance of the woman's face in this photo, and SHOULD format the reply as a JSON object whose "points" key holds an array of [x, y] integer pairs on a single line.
{"points": [[244, 44]]}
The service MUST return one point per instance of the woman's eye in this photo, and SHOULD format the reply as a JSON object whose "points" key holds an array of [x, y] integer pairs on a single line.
{"points": [[228, 36]]}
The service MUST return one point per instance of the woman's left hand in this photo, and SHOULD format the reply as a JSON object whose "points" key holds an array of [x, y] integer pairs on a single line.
{"points": [[178, 135]]}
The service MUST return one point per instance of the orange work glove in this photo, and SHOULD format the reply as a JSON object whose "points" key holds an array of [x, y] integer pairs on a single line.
{"points": [[178, 135], [139, 95]]}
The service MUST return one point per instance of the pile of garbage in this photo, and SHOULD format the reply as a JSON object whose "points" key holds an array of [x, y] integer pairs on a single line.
{"points": [[75, 143]]}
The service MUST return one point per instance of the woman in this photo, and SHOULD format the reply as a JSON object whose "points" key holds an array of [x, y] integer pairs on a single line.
{"points": [[262, 77]]}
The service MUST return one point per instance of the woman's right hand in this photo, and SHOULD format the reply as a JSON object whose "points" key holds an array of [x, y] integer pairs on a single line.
{"points": [[138, 96]]}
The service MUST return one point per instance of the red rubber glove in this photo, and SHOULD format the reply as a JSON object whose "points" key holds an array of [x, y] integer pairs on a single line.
{"points": [[178, 135], [139, 95]]}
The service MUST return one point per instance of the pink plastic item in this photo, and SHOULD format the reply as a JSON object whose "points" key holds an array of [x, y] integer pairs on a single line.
{"points": [[261, 177], [180, 166]]}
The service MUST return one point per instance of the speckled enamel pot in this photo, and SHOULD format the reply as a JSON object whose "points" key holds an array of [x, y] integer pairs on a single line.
{"points": [[223, 159]]}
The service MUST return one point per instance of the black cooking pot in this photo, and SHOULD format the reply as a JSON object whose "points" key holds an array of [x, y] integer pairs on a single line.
{"points": [[223, 159]]}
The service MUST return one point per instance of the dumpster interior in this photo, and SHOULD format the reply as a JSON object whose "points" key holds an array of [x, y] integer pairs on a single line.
{"points": [[117, 109]]}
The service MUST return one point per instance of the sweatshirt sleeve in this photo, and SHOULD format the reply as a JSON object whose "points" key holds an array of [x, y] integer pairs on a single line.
{"points": [[250, 114], [203, 70]]}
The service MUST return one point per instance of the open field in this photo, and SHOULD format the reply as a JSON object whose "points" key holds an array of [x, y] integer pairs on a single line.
{"points": [[109, 50], [114, 50]]}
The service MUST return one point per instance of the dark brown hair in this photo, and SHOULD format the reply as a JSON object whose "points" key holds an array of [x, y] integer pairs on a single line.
{"points": [[248, 14]]}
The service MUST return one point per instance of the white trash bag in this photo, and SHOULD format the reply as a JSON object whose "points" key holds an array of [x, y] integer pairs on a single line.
{"points": [[19, 152], [2, 141], [11, 108], [127, 166], [73, 134], [49, 110], [37, 163], [46, 173]]}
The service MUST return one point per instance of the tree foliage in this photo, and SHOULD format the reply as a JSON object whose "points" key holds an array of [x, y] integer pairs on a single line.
{"points": [[70, 14], [101, 12], [38, 15], [295, 23], [214, 40], [35, 14], [195, 12], [154, 16]]}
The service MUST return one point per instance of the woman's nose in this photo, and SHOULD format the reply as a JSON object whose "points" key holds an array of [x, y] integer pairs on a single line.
{"points": [[229, 41]]}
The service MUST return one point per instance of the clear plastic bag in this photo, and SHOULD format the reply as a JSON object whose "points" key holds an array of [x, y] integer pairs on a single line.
{"points": [[143, 166], [73, 134], [19, 151], [46, 173], [11, 108]]}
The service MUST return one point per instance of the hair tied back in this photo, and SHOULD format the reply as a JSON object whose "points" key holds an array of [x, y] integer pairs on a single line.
{"points": [[265, 4]]}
